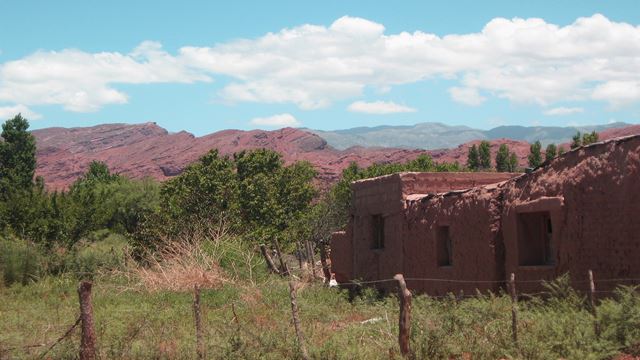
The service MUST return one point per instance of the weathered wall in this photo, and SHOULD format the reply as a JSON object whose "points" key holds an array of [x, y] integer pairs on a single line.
{"points": [[591, 196], [596, 226], [474, 229], [438, 182], [341, 256], [386, 196]]}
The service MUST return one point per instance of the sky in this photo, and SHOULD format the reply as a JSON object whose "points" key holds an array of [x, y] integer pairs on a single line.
{"points": [[205, 66]]}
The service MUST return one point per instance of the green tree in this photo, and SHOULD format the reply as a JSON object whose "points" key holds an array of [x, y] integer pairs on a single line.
{"points": [[589, 138], [576, 141], [473, 158], [561, 150], [485, 155], [551, 152], [502, 158], [17, 155], [535, 155], [513, 162]]}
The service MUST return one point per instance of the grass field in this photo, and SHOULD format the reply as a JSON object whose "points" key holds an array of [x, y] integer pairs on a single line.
{"points": [[138, 321]]}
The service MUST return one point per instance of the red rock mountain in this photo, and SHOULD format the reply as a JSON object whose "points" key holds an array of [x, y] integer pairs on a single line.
{"points": [[149, 150]]}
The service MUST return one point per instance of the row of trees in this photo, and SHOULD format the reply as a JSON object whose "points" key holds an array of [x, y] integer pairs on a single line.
{"points": [[479, 157]]}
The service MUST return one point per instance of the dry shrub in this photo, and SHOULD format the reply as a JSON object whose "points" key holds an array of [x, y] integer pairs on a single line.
{"points": [[180, 266]]}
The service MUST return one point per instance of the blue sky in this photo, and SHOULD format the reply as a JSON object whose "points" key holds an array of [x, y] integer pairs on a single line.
{"points": [[204, 66]]}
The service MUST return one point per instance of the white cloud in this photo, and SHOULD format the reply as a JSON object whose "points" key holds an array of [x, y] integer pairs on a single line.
{"points": [[563, 111], [312, 66], [468, 96], [8, 112], [618, 93], [279, 120], [379, 107], [83, 82], [522, 60]]}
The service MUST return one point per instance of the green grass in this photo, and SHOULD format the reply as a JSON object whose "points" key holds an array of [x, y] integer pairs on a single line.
{"points": [[135, 323]]}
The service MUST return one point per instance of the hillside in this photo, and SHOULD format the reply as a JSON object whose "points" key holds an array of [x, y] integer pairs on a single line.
{"points": [[149, 150]]}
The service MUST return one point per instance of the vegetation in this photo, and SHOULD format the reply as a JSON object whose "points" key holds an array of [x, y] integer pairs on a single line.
{"points": [[506, 161], [484, 151], [247, 316], [550, 152], [585, 140], [473, 158], [535, 155]]}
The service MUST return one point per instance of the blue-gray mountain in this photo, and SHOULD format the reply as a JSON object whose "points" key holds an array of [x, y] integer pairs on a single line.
{"points": [[434, 135]]}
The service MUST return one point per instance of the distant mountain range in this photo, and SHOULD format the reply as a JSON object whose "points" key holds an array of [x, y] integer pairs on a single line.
{"points": [[433, 135]]}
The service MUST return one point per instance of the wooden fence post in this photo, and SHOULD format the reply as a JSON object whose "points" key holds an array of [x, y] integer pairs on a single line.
{"points": [[284, 269], [592, 300], [88, 339], [326, 271], [296, 320], [404, 323], [198, 321], [514, 308], [270, 264]]}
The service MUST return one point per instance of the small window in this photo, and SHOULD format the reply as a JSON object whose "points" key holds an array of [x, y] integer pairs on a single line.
{"points": [[535, 235], [378, 232], [443, 244]]}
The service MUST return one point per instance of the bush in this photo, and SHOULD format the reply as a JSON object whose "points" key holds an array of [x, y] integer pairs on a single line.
{"points": [[20, 261]]}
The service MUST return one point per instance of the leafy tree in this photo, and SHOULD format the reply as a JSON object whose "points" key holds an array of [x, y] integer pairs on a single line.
{"points": [[561, 150], [473, 158], [17, 155], [485, 155], [535, 155], [513, 162], [551, 152], [576, 141], [589, 138], [502, 158]]}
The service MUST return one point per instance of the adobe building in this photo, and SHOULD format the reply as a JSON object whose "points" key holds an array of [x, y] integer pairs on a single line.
{"points": [[448, 232]]}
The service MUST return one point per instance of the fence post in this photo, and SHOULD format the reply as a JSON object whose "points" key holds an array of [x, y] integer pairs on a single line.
{"points": [[284, 269], [514, 308], [404, 323], [592, 300], [88, 339], [198, 321], [326, 271], [296, 320], [270, 264]]}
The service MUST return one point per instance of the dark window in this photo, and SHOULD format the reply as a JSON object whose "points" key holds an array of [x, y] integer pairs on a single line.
{"points": [[443, 244], [378, 232], [535, 234]]}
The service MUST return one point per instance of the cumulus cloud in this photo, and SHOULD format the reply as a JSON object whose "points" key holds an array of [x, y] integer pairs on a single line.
{"points": [[564, 111], [8, 112], [279, 120], [522, 60], [379, 107], [468, 96], [83, 82], [312, 66]]}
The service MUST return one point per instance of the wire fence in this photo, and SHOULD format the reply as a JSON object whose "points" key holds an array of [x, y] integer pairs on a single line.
{"points": [[231, 318]]}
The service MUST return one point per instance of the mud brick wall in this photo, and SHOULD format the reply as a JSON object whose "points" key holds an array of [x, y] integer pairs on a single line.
{"points": [[596, 227]]}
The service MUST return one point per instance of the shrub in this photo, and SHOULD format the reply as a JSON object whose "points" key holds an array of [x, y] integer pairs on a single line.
{"points": [[20, 261]]}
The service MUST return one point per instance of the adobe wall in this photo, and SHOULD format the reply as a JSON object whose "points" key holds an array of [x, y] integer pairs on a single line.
{"points": [[386, 196], [383, 196], [439, 182], [593, 196], [341, 256], [474, 229]]}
